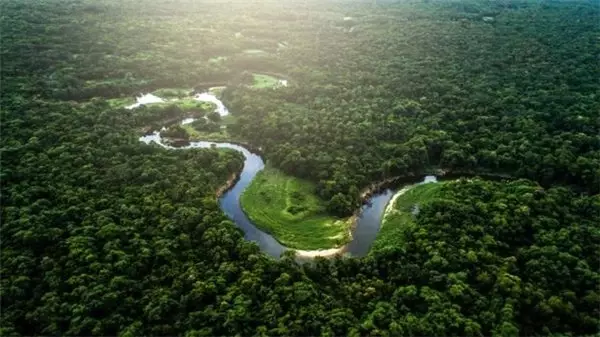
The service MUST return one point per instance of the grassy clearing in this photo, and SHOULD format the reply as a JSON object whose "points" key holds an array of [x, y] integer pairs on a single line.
{"points": [[196, 135], [120, 102], [264, 81], [401, 216], [288, 208], [220, 135], [189, 104], [168, 93]]}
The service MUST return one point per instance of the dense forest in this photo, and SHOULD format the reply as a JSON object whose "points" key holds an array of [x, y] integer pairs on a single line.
{"points": [[102, 235], [518, 96]]}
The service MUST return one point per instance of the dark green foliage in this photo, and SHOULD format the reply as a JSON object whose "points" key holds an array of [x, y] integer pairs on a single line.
{"points": [[214, 116], [95, 224], [295, 209], [202, 124], [175, 132], [503, 246], [105, 236], [417, 87]]}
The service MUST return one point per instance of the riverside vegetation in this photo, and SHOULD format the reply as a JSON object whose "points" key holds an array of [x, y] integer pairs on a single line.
{"points": [[289, 208], [401, 212], [103, 235]]}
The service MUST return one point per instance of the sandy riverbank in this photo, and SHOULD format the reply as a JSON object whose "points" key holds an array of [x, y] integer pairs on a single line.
{"points": [[321, 252], [365, 194], [390, 206]]}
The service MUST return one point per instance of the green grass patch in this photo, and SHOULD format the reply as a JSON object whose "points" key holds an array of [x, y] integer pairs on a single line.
{"points": [[264, 81], [221, 134], [189, 104], [120, 102], [289, 209], [196, 135], [168, 93], [401, 216]]}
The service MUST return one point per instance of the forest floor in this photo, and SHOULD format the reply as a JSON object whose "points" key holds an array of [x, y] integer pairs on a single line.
{"points": [[399, 214], [288, 208]]}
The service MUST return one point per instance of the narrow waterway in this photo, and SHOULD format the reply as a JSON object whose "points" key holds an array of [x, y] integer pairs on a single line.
{"points": [[368, 221]]}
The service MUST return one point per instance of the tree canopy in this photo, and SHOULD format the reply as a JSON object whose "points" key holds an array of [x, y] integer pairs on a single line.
{"points": [[103, 235]]}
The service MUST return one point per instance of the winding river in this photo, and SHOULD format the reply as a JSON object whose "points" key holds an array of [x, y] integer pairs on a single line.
{"points": [[368, 219]]}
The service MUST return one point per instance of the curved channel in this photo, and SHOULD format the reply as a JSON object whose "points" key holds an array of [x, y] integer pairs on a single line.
{"points": [[367, 224]]}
